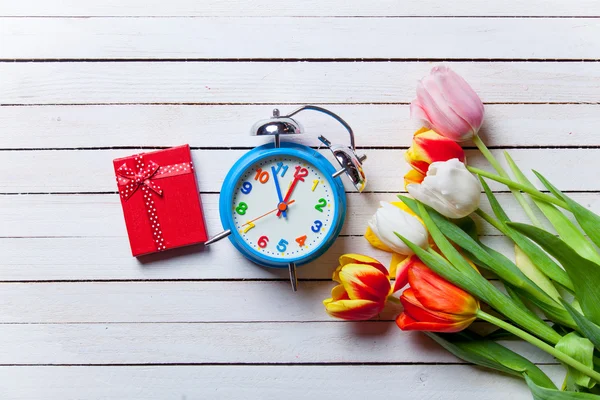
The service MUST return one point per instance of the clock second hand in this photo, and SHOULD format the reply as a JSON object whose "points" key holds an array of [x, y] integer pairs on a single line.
{"points": [[267, 213]]}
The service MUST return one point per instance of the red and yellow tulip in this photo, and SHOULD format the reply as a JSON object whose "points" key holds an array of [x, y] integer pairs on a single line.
{"points": [[429, 147], [363, 289], [434, 304]]}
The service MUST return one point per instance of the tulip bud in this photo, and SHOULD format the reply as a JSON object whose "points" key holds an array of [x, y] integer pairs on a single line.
{"points": [[449, 188], [389, 219], [448, 104], [429, 147], [363, 290]]}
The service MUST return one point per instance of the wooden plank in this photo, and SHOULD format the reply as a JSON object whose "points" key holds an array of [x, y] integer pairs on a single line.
{"points": [[108, 258], [211, 167], [306, 38], [166, 302], [289, 8], [91, 170], [434, 382], [286, 82], [156, 302], [330, 342], [375, 125], [101, 215]]}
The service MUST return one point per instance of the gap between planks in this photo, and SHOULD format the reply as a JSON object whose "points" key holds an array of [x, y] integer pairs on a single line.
{"points": [[208, 364], [294, 60], [320, 103], [307, 8], [502, 147]]}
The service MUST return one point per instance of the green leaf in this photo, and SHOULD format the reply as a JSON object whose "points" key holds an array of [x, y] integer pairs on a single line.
{"points": [[532, 272], [542, 393], [490, 354], [557, 314], [584, 273], [516, 297], [444, 244], [499, 334], [566, 229], [551, 309], [587, 327], [569, 232], [539, 258], [496, 207], [467, 225], [582, 350], [589, 221]]}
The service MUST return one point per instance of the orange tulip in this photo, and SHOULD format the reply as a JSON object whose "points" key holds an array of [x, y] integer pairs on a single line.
{"points": [[429, 147], [434, 304], [363, 288]]}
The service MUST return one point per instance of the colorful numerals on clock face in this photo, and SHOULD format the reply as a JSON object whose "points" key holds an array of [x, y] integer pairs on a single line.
{"points": [[283, 207]]}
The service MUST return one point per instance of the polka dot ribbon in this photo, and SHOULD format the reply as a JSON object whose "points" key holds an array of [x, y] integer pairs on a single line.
{"points": [[129, 181]]}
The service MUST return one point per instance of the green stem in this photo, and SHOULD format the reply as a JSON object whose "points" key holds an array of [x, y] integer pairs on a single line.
{"points": [[540, 344], [520, 198], [489, 156], [524, 188]]}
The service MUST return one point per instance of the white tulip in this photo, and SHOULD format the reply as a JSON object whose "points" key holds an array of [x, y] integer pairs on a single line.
{"points": [[449, 188], [389, 219]]}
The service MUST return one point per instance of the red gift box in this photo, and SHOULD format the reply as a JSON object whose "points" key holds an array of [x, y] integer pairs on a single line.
{"points": [[160, 200]]}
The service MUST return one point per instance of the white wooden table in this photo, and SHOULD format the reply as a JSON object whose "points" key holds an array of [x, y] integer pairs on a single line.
{"points": [[84, 82]]}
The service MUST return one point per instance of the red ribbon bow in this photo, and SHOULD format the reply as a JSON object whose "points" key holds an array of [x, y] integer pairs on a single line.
{"points": [[131, 180]]}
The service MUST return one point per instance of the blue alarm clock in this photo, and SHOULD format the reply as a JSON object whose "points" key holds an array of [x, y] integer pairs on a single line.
{"points": [[283, 204]]}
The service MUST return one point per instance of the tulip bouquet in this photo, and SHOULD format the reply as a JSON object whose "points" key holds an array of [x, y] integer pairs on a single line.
{"points": [[548, 294]]}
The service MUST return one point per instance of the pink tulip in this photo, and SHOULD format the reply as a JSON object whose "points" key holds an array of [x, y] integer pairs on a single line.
{"points": [[447, 103]]}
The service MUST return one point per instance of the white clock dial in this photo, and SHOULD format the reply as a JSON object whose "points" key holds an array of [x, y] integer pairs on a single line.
{"points": [[307, 200]]}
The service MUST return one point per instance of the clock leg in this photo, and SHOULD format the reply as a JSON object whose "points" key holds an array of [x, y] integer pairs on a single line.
{"points": [[218, 237], [293, 278]]}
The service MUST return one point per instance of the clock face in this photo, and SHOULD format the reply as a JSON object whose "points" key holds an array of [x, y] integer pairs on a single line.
{"points": [[283, 207]]}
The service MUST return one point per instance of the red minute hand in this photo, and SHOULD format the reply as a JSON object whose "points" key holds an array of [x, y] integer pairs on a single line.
{"points": [[289, 192]]}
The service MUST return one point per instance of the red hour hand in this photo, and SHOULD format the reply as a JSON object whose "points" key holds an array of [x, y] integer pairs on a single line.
{"points": [[288, 194], [299, 175]]}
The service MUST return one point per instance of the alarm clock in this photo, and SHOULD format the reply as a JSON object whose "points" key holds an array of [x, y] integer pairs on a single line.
{"points": [[283, 204]]}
